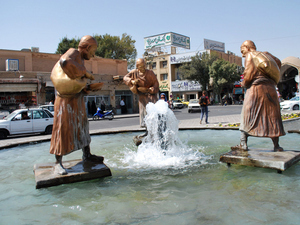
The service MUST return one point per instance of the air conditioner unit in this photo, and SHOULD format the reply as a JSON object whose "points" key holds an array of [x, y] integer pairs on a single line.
{"points": [[12, 65], [35, 49]]}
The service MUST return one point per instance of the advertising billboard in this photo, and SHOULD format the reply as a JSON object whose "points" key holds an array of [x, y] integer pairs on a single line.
{"points": [[184, 57], [214, 45], [166, 39], [185, 85]]}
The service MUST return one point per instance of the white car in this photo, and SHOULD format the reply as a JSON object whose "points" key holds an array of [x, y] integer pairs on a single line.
{"points": [[177, 104], [194, 105], [49, 107], [3, 113], [292, 104], [25, 121]]}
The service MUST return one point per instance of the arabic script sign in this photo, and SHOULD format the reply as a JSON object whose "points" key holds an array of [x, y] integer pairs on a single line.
{"points": [[185, 57], [167, 39], [214, 45], [185, 85]]}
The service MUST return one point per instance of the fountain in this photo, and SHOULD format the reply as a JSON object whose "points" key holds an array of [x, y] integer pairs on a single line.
{"points": [[146, 190], [176, 181]]}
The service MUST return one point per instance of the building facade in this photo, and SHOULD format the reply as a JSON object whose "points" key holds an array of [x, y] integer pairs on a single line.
{"points": [[165, 66], [25, 78]]}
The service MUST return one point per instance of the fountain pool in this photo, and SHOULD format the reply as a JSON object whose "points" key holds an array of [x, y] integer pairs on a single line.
{"points": [[149, 190]]}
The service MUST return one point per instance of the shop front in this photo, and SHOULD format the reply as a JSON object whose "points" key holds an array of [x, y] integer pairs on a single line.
{"points": [[15, 92], [186, 90]]}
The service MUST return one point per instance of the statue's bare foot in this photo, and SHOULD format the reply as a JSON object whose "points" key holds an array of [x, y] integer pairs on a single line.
{"points": [[59, 169], [240, 147], [93, 158], [278, 149]]}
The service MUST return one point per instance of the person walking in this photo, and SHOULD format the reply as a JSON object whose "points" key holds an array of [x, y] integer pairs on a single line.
{"points": [[204, 101], [123, 106]]}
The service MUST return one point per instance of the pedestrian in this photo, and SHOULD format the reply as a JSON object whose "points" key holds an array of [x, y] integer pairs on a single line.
{"points": [[102, 106], [211, 100], [204, 101], [123, 106]]}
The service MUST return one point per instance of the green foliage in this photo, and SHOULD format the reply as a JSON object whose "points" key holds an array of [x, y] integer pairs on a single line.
{"points": [[198, 68], [223, 73], [113, 47], [65, 44]]}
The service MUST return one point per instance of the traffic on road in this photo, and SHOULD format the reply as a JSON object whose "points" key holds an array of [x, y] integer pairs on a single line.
{"points": [[133, 119]]}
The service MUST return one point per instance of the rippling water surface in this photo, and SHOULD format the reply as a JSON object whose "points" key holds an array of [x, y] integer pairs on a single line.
{"points": [[190, 187]]}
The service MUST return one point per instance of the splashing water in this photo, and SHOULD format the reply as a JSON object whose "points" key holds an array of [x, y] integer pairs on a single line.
{"points": [[162, 148]]}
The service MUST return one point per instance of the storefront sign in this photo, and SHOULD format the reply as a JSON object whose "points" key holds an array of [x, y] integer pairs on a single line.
{"points": [[214, 45], [185, 57], [238, 83], [185, 85], [164, 86], [167, 39]]}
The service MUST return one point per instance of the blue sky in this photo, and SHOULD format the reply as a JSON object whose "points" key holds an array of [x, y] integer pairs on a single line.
{"points": [[272, 24]]}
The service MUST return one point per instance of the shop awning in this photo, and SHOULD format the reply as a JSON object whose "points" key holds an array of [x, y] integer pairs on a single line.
{"points": [[18, 87], [238, 91]]}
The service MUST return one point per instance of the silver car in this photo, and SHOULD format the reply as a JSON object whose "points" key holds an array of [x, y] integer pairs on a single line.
{"points": [[177, 104], [292, 104], [194, 105], [26, 121], [49, 107]]}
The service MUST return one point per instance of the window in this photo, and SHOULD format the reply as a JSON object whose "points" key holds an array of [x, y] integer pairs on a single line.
{"points": [[154, 65], [39, 114], [164, 76], [164, 64]]}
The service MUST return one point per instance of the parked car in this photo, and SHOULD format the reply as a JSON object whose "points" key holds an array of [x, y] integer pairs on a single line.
{"points": [[49, 107], [185, 103], [177, 104], [26, 121], [194, 105], [3, 113], [292, 104]]}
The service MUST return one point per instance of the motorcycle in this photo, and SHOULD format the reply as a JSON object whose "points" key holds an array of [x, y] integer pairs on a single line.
{"points": [[103, 115]]}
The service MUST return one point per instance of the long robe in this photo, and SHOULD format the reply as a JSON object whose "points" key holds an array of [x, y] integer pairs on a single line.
{"points": [[70, 125], [148, 79], [261, 115]]}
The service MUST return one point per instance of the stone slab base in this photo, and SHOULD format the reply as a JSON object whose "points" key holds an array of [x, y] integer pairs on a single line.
{"points": [[294, 131], [263, 158], [77, 171]]}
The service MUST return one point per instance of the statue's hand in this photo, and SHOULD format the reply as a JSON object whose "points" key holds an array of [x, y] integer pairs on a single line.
{"points": [[89, 75], [143, 89], [134, 90], [95, 86], [135, 82], [151, 89]]}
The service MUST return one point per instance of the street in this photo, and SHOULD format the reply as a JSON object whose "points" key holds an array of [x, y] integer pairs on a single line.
{"points": [[181, 114]]}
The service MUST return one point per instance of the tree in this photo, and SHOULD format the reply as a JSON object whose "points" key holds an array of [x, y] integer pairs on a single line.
{"points": [[198, 68], [223, 73], [113, 47], [65, 44]]}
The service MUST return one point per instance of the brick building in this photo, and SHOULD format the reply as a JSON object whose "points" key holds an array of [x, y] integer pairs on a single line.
{"points": [[25, 77]]}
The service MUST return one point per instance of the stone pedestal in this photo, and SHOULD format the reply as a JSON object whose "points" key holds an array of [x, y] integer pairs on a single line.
{"points": [[77, 171], [279, 161]]}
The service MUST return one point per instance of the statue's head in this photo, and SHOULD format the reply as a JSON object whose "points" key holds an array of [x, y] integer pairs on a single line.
{"points": [[247, 46], [87, 47], [141, 65]]}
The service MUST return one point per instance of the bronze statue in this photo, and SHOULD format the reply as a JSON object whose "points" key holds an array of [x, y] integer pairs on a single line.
{"points": [[142, 82], [261, 115], [70, 127]]}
